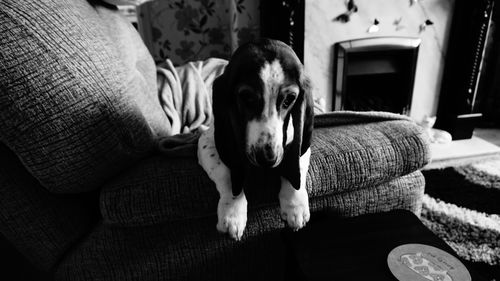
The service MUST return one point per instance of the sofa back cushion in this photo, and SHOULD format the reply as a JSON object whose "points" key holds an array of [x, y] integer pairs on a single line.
{"points": [[78, 95]]}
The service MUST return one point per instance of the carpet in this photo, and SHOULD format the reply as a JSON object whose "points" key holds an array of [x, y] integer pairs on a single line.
{"points": [[462, 206]]}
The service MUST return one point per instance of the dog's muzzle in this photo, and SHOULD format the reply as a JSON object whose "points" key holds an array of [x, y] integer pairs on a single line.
{"points": [[265, 156], [264, 143]]}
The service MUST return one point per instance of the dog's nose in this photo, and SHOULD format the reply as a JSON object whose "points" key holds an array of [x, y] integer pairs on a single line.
{"points": [[266, 157]]}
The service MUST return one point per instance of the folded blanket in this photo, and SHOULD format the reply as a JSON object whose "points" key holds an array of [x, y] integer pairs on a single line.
{"points": [[185, 93]]}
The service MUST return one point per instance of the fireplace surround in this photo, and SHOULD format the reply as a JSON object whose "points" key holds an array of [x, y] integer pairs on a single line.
{"points": [[376, 73]]}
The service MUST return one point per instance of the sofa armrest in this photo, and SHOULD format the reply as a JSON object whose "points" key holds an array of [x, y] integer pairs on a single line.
{"points": [[346, 156], [355, 150]]}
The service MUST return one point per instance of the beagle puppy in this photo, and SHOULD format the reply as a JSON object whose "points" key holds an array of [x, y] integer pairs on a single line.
{"points": [[263, 116]]}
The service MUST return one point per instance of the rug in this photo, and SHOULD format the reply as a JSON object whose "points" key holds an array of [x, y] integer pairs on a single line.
{"points": [[462, 206]]}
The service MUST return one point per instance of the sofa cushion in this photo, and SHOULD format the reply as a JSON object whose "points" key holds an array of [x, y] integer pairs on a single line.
{"points": [[78, 101], [344, 159], [188, 250], [194, 250]]}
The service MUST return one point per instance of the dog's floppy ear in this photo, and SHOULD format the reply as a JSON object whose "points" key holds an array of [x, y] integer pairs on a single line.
{"points": [[302, 116], [228, 133]]}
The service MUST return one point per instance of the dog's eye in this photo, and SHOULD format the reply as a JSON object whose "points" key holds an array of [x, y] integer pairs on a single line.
{"points": [[288, 101]]}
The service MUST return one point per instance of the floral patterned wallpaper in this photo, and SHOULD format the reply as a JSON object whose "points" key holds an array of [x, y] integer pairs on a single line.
{"points": [[187, 30]]}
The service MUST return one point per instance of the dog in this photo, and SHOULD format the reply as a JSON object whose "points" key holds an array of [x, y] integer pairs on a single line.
{"points": [[263, 116]]}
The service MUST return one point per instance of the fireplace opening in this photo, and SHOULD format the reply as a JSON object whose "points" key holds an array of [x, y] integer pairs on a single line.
{"points": [[375, 74]]}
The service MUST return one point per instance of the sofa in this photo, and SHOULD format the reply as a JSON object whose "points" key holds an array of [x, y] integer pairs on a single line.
{"points": [[86, 194]]}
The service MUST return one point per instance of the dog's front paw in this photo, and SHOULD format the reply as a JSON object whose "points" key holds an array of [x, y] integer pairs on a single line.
{"points": [[295, 216], [232, 216], [294, 205]]}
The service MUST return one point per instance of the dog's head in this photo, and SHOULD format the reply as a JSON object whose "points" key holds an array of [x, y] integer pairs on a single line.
{"points": [[262, 107]]}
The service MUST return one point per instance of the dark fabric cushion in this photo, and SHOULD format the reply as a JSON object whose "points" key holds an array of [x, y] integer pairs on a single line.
{"points": [[78, 95], [194, 250], [344, 159], [41, 225], [188, 250]]}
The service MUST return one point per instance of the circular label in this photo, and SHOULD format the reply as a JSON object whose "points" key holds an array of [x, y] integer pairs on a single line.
{"points": [[418, 262]]}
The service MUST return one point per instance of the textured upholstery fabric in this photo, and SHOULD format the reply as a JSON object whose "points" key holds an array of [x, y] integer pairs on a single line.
{"points": [[78, 95], [190, 250], [42, 226], [404, 192], [344, 159], [194, 250], [337, 118]]}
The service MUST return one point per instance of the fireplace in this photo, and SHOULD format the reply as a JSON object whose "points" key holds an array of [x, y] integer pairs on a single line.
{"points": [[375, 74]]}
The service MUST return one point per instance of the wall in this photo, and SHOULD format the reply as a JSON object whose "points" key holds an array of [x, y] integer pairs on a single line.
{"points": [[322, 31]]}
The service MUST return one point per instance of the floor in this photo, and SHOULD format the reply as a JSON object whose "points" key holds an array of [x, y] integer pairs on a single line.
{"points": [[484, 144], [491, 135]]}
